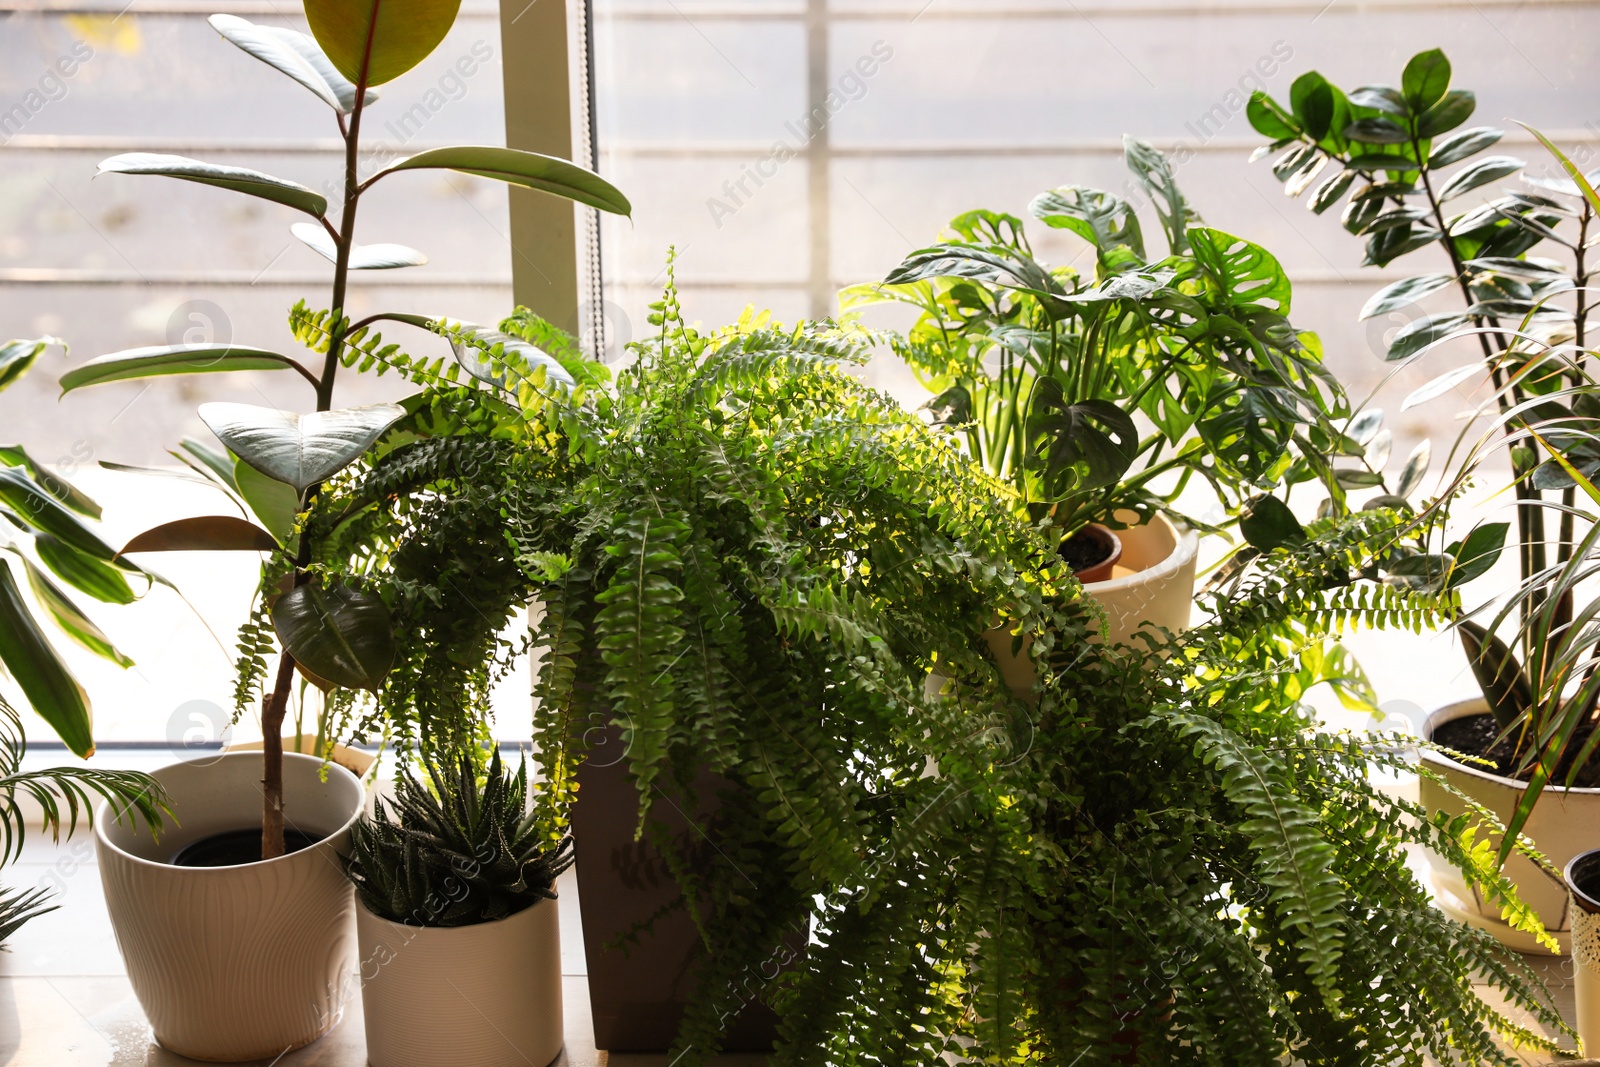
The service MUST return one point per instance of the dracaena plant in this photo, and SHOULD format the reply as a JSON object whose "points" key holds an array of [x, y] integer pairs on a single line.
{"points": [[1104, 393], [1515, 264], [337, 635]]}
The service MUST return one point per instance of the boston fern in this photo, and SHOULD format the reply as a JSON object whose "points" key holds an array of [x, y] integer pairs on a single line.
{"points": [[458, 854], [750, 563]]}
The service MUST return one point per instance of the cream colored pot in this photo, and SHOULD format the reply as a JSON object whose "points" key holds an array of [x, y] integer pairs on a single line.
{"points": [[487, 995], [1564, 823], [235, 963], [1585, 911]]}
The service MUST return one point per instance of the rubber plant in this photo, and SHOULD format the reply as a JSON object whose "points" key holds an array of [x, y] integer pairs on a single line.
{"points": [[750, 562], [1046, 373], [1518, 274], [337, 635]]}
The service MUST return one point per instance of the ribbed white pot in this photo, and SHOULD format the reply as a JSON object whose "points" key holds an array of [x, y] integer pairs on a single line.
{"points": [[1564, 823], [487, 995], [1158, 589], [235, 963]]}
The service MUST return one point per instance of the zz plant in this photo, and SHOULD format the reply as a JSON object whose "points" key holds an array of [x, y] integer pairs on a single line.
{"points": [[1047, 373], [749, 562], [337, 635], [1403, 162]]}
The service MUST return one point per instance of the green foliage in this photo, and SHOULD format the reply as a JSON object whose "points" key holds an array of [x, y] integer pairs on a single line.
{"points": [[1047, 375], [459, 854], [748, 562], [1527, 316], [135, 798]]}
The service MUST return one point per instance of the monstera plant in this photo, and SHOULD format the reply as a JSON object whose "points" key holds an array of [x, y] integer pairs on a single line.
{"points": [[334, 634]]}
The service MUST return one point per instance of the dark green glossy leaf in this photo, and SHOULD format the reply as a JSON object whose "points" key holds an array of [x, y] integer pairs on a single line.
{"points": [[1088, 444], [1504, 683], [1415, 337], [273, 503], [1403, 293], [1311, 99], [1389, 245], [1267, 523], [70, 619], [1354, 479], [1377, 131], [299, 450], [52, 483], [171, 359], [529, 169], [338, 634], [1387, 161], [1456, 107], [238, 179], [1425, 80], [218, 464], [1459, 146], [1381, 98], [82, 571], [39, 671], [1329, 192], [1479, 552], [1484, 171]]}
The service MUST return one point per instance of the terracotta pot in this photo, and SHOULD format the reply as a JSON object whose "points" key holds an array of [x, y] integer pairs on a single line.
{"points": [[1582, 878], [1109, 543], [1564, 823], [488, 995], [244, 962]]}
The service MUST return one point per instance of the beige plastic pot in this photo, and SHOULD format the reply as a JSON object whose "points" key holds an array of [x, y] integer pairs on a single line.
{"points": [[245, 962], [1564, 823], [488, 995]]}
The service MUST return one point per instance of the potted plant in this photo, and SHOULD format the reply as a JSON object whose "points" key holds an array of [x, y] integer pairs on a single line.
{"points": [[259, 975], [460, 942], [748, 562], [1582, 878], [1046, 375], [1395, 151]]}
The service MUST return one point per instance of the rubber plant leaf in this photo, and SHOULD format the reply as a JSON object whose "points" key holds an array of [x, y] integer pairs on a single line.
{"points": [[39, 671], [295, 54], [529, 169], [362, 257], [1504, 683], [1268, 524], [299, 450], [171, 359], [238, 179], [371, 43], [205, 533], [338, 634]]}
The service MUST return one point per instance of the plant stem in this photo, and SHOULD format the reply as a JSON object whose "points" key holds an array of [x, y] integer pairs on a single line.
{"points": [[277, 703]]}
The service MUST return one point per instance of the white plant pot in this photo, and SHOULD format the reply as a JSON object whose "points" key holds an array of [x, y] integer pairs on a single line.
{"points": [[1564, 823], [1585, 953], [487, 995], [1153, 586], [245, 962]]}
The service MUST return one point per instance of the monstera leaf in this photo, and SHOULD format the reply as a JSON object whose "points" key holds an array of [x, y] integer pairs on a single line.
{"points": [[338, 635], [372, 43], [1241, 271], [299, 450], [1104, 220], [1084, 444]]}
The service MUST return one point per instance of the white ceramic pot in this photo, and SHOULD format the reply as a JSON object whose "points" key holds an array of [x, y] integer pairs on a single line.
{"points": [[1153, 583], [245, 962], [353, 760], [1564, 823], [487, 995], [1585, 912]]}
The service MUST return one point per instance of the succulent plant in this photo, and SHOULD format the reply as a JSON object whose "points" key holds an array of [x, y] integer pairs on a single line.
{"points": [[456, 854]]}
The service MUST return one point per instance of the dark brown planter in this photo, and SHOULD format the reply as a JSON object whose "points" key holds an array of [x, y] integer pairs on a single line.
{"points": [[637, 994]]}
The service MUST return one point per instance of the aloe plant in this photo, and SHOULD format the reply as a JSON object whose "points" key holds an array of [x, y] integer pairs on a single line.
{"points": [[335, 634]]}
